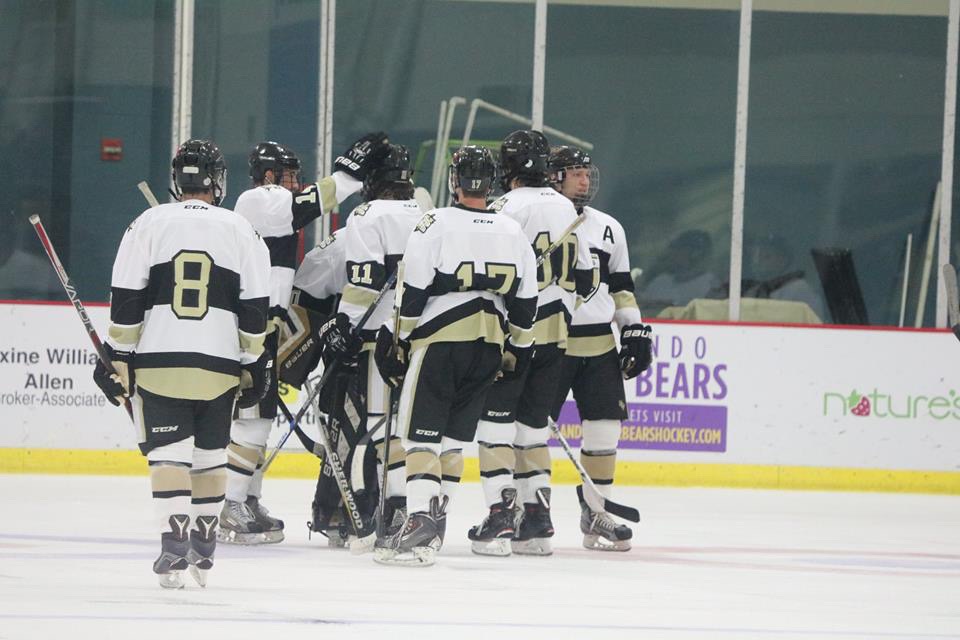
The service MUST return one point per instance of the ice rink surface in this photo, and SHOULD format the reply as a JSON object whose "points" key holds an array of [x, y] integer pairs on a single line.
{"points": [[739, 564]]}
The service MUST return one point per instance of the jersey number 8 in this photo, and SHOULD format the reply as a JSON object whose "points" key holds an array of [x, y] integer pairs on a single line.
{"points": [[191, 278], [561, 263]]}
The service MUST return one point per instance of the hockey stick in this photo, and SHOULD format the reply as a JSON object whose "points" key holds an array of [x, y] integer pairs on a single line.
{"points": [[365, 536], [588, 491], [75, 299], [953, 307], [148, 194], [397, 301], [294, 422]]}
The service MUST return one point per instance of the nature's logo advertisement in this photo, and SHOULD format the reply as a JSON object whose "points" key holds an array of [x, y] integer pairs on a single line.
{"points": [[901, 406], [677, 404]]}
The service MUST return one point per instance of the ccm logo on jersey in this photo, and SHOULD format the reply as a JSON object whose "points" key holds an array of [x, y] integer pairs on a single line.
{"points": [[427, 432], [168, 429], [482, 221], [636, 333]]}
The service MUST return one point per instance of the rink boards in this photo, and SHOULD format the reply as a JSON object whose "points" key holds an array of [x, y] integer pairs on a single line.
{"points": [[741, 405]]}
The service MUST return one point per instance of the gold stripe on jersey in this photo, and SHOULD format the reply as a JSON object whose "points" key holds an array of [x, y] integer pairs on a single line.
{"points": [[360, 296], [551, 330], [481, 325], [623, 299], [589, 346], [187, 383], [252, 343], [122, 334], [407, 325]]}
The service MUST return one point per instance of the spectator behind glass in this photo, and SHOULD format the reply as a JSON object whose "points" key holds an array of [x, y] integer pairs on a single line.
{"points": [[769, 272], [680, 274]]}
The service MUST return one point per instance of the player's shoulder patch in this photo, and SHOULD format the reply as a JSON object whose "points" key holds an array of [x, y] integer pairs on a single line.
{"points": [[425, 223], [499, 203], [361, 209], [329, 240]]}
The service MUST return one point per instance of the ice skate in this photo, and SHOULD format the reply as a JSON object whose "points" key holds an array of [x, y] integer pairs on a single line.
{"points": [[395, 514], [238, 525], [535, 530], [417, 542], [272, 527], [203, 543], [174, 546], [601, 532], [492, 536]]}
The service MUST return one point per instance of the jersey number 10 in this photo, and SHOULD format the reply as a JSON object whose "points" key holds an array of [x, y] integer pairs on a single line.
{"points": [[561, 263]]}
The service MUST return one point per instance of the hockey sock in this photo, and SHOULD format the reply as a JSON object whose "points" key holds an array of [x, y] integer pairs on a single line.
{"points": [[533, 462], [248, 438], [396, 471], [256, 482], [497, 459], [208, 480], [423, 475], [170, 480], [598, 452], [451, 468]]}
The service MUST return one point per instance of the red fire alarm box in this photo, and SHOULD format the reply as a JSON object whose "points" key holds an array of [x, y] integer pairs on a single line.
{"points": [[111, 149]]}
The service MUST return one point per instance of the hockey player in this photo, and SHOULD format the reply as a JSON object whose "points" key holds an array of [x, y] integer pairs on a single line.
{"points": [[469, 299], [591, 364], [278, 209], [188, 313], [375, 239], [514, 459], [319, 281]]}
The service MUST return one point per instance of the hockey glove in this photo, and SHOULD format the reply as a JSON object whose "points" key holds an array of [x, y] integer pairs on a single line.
{"points": [[255, 380], [339, 341], [392, 360], [635, 350], [515, 361], [118, 385], [363, 156]]}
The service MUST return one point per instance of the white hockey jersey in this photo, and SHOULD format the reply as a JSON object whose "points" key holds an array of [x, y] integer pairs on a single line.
{"points": [[469, 274], [322, 275], [544, 215], [189, 295], [375, 240], [612, 299], [277, 215]]}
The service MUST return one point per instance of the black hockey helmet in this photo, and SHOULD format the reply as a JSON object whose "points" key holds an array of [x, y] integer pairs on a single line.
{"points": [[473, 169], [395, 174], [273, 156], [565, 158], [199, 166], [524, 154]]}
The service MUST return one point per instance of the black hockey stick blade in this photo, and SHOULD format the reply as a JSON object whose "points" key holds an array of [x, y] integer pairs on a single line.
{"points": [[614, 508], [953, 305]]}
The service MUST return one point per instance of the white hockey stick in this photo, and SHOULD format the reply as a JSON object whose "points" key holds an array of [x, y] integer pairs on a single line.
{"points": [[588, 491], [148, 194], [397, 302]]}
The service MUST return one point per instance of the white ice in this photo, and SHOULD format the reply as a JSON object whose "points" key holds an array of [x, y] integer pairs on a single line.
{"points": [[739, 564]]}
